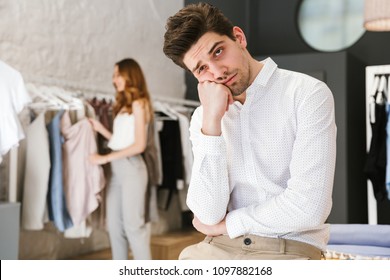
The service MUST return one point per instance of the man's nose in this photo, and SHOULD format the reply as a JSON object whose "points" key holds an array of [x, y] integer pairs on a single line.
{"points": [[219, 72]]}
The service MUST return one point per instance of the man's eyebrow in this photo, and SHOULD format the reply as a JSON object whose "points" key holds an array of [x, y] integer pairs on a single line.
{"points": [[214, 46], [210, 51]]}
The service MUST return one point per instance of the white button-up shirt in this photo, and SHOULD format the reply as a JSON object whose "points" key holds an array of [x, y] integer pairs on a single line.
{"points": [[272, 168]]}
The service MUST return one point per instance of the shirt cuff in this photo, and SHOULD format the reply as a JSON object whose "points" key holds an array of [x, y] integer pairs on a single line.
{"points": [[212, 145]]}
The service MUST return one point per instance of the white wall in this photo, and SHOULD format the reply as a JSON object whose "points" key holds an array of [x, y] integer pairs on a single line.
{"points": [[80, 40]]}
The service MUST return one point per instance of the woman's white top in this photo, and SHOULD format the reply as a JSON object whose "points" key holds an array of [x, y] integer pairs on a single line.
{"points": [[123, 132]]}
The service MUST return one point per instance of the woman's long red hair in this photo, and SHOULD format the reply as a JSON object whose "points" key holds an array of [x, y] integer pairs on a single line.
{"points": [[135, 88]]}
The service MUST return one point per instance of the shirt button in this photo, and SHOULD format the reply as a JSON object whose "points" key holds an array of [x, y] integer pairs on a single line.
{"points": [[247, 241]]}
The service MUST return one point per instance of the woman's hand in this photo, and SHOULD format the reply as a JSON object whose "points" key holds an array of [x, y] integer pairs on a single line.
{"points": [[99, 127], [98, 159], [96, 125]]}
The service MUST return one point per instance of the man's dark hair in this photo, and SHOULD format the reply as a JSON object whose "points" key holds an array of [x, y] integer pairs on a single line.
{"points": [[189, 24]]}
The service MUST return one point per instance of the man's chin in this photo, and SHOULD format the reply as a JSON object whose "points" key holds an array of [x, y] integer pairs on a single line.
{"points": [[235, 94]]}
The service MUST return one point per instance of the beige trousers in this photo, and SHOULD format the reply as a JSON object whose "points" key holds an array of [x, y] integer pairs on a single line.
{"points": [[126, 209], [250, 247]]}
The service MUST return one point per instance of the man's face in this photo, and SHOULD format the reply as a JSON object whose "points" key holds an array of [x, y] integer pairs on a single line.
{"points": [[219, 59]]}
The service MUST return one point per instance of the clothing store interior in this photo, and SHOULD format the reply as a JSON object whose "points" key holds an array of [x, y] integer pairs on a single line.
{"points": [[65, 52]]}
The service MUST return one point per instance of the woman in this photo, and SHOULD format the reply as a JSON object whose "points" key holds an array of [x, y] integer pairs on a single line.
{"points": [[128, 185]]}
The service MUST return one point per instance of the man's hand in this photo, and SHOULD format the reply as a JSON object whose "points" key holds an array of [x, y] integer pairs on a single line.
{"points": [[213, 230], [215, 99]]}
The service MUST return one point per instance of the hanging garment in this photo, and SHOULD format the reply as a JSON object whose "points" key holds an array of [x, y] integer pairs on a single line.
{"points": [[36, 180], [172, 161], [83, 181], [98, 217], [89, 110], [188, 159], [387, 181], [13, 99], [157, 143], [106, 117], [375, 166], [58, 212], [84, 230], [150, 157], [103, 113]]}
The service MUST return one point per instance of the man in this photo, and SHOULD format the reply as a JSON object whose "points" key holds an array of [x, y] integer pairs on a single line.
{"points": [[264, 144]]}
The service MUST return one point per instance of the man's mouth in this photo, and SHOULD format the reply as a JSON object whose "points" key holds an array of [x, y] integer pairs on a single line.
{"points": [[230, 81]]}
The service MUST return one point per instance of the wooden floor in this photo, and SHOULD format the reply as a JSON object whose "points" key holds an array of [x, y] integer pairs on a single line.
{"points": [[164, 247], [98, 255]]}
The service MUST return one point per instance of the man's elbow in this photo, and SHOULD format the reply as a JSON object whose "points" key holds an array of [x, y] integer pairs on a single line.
{"points": [[211, 220]]}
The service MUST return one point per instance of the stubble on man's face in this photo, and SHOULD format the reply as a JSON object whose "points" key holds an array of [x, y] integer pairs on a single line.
{"points": [[241, 85]]}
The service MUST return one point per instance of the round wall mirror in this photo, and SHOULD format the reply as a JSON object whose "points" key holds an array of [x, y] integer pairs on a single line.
{"points": [[331, 25]]}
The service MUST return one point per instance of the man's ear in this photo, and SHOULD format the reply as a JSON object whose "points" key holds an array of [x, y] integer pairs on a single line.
{"points": [[240, 36]]}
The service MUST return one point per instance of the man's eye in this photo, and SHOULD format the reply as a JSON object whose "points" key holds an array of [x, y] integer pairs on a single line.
{"points": [[201, 68], [218, 52]]}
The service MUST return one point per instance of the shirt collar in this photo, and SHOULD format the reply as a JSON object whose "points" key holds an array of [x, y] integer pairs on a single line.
{"points": [[262, 78], [269, 67]]}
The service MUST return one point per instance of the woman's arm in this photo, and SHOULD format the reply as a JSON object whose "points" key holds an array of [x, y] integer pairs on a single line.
{"points": [[100, 128]]}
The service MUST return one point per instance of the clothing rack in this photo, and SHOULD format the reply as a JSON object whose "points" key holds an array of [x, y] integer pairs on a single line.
{"points": [[99, 92], [80, 90], [176, 101], [69, 85], [372, 72]]}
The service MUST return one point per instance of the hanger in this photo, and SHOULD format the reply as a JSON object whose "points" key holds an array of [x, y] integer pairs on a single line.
{"points": [[41, 100], [372, 101], [378, 94], [48, 91], [68, 98], [381, 96], [52, 97], [165, 108]]}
